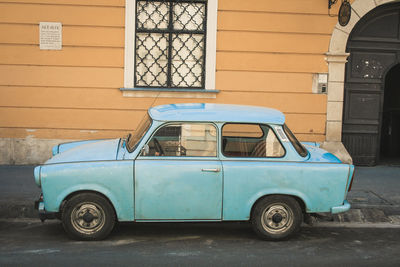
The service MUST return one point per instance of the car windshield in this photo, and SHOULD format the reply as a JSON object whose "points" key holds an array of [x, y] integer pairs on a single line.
{"points": [[134, 138], [296, 144]]}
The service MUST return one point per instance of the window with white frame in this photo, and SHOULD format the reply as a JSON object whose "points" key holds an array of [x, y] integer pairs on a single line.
{"points": [[171, 44]]}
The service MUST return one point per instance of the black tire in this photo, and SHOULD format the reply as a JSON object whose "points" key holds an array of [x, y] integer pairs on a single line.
{"points": [[277, 217], [88, 216]]}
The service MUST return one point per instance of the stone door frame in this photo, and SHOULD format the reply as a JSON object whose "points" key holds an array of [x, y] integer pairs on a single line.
{"points": [[336, 58]]}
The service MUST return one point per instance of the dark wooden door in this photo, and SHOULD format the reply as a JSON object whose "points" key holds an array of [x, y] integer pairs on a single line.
{"points": [[374, 47], [390, 131]]}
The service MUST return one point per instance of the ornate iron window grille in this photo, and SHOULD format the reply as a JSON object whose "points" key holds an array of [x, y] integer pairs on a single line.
{"points": [[170, 44]]}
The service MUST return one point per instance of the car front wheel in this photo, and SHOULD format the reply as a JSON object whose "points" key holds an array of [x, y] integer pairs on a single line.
{"points": [[88, 216], [277, 217]]}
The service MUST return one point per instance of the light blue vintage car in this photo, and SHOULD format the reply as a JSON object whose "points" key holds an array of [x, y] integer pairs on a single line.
{"points": [[194, 162]]}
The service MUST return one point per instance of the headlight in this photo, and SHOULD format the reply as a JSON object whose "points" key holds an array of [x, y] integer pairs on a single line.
{"points": [[36, 173]]}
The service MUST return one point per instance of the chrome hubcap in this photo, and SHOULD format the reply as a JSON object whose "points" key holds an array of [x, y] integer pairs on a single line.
{"points": [[277, 218], [87, 218]]}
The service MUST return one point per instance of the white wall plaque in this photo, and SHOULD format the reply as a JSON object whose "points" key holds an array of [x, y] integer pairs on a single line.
{"points": [[50, 35]]}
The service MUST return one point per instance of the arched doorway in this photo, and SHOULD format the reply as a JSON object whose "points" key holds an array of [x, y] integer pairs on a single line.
{"points": [[374, 47], [390, 133]]}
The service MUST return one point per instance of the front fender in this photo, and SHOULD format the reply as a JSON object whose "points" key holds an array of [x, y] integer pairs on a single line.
{"points": [[113, 179]]}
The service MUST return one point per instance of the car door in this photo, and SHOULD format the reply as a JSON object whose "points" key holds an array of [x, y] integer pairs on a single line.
{"points": [[178, 175], [251, 164]]}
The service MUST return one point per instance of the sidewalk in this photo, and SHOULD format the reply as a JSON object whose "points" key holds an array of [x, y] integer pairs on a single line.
{"points": [[375, 196], [18, 192]]}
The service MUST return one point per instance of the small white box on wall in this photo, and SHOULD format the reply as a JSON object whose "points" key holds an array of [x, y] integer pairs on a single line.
{"points": [[320, 83]]}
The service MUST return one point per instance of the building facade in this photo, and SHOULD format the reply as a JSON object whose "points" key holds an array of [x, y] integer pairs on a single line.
{"points": [[118, 58]]}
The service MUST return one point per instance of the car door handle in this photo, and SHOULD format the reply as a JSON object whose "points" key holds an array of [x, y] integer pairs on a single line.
{"points": [[210, 170]]}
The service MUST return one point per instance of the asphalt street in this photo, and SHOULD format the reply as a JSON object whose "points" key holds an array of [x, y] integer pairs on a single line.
{"points": [[367, 235], [30, 243]]}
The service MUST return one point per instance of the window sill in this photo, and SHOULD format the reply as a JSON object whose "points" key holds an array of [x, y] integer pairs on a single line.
{"points": [[169, 93]]}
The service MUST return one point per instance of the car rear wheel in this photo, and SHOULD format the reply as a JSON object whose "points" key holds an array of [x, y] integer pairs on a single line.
{"points": [[88, 216], [277, 217]]}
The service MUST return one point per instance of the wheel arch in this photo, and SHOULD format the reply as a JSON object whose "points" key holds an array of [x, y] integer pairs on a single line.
{"points": [[78, 192], [297, 198]]}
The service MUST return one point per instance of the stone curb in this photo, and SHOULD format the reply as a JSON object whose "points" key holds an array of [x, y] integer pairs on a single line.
{"points": [[355, 225]]}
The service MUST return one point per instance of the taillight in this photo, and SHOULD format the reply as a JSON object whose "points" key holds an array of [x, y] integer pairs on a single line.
{"points": [[352, 179]]}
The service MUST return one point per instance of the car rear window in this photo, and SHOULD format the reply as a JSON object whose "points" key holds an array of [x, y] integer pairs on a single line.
{"points": [[250, 141]]}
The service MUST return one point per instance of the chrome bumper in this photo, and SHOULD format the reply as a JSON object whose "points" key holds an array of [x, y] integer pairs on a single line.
{"points": [[43, 214], [343, 208]]}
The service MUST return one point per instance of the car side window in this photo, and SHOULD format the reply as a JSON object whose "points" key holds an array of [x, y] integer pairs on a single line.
{"points": [[183, 140], [250, 140]]}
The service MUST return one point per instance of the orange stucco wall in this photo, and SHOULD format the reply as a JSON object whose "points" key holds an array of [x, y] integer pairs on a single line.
{"points": [[267, 52]]}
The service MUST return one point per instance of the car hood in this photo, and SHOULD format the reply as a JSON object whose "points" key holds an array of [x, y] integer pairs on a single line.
{"points": [[321, 155], [93, 151]]}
